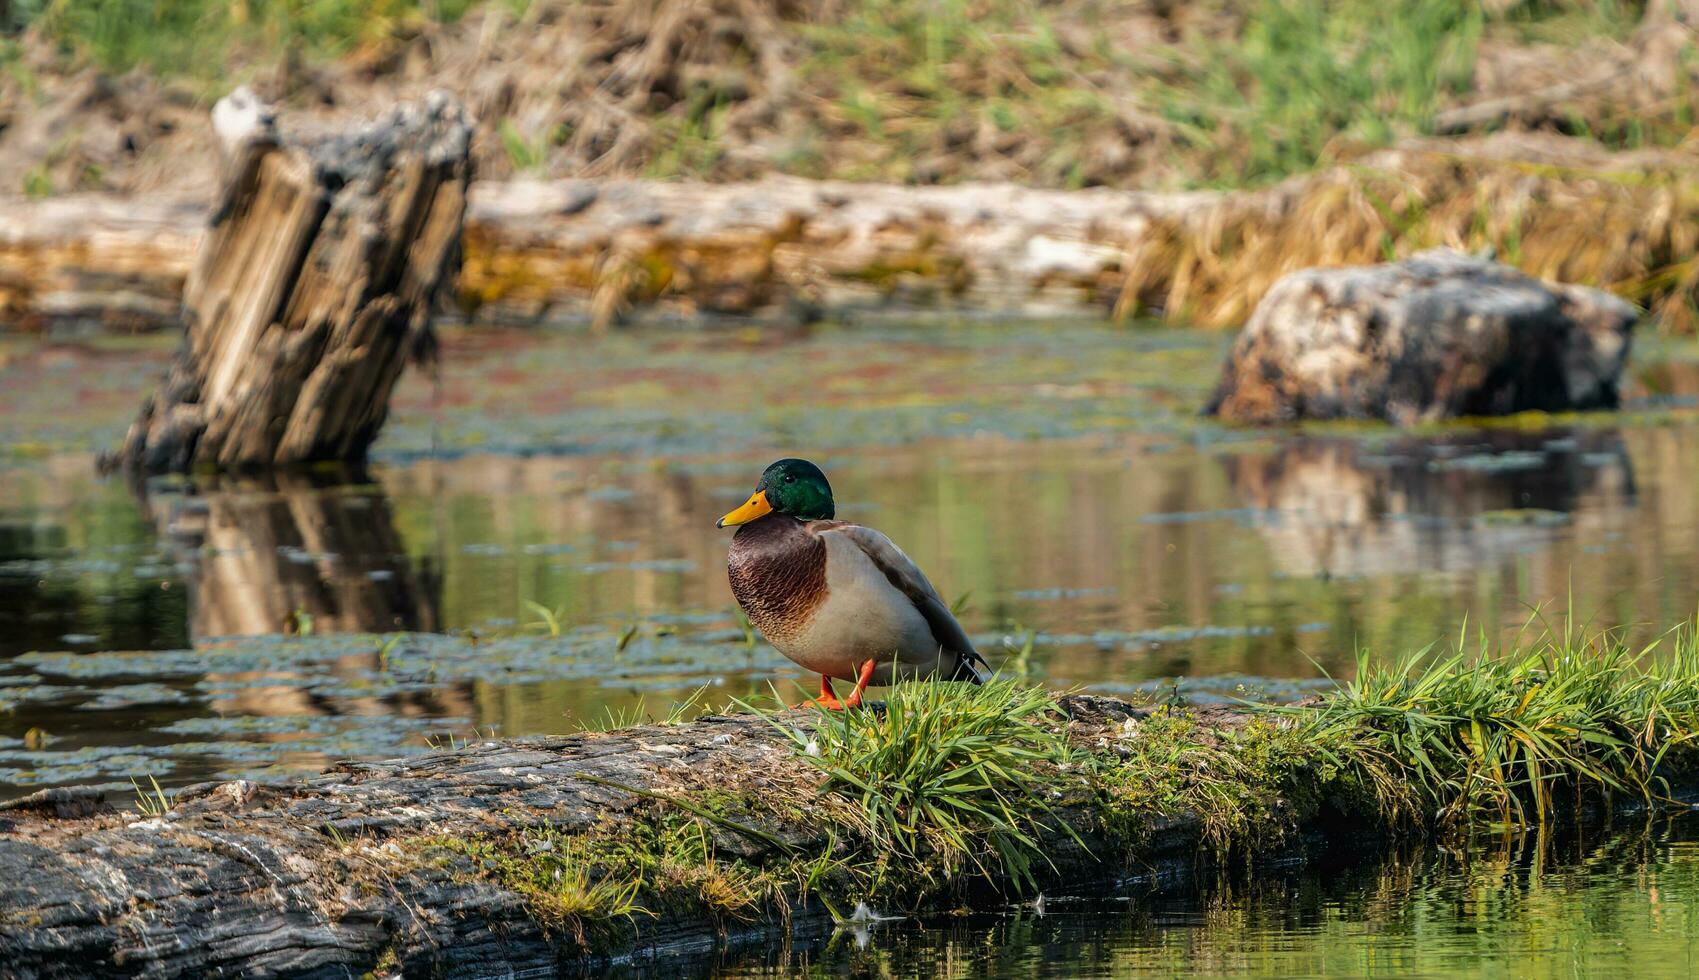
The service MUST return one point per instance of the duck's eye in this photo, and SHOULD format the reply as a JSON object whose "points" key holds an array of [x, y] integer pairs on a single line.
{"points": [[790, 479]]}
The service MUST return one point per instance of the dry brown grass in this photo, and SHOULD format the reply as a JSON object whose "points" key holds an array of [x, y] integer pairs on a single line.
{"points": [[1631, 231], [1143, 94]]}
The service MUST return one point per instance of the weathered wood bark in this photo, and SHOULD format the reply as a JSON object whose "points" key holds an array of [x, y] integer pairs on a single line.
{"points": [[324, 877], [1439, 335], [313, 285]]}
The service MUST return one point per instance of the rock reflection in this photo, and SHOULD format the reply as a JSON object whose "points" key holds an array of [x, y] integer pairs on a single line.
{"points": [[266, 555], [1345, 508]]}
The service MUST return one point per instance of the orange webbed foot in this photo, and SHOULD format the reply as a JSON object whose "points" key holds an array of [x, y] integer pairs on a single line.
{"points": [[828, 698]]}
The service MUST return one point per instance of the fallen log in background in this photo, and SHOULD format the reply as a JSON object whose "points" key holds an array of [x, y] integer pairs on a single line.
{"points": [[312, 286], [571, 251], [96, 262]]}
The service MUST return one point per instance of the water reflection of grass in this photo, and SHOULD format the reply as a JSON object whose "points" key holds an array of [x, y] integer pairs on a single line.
{"points": [[1616, 902]]}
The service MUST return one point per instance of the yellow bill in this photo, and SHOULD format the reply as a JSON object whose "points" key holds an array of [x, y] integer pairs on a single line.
{"points": [[757, 507]]}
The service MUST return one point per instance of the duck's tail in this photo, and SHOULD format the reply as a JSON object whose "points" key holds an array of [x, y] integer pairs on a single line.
{"points": [[970, 668]]}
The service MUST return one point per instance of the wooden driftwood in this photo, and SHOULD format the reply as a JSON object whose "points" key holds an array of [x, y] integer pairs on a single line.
{"points": [[479, 862], [354, 870], [312, 286]]}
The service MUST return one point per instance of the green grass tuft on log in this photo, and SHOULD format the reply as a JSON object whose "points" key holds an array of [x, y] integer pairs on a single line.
{"points": [[1493, 736], [947, 775], [905, 804]]}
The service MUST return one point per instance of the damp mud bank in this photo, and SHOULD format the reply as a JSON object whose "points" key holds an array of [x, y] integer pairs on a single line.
{"points": [[648, 844], [614, 250]]}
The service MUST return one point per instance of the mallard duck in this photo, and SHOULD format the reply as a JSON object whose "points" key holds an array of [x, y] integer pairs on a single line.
{"points": [[838, 598]]}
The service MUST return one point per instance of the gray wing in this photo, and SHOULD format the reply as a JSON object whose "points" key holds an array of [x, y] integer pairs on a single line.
{"points": [[903, 573]]}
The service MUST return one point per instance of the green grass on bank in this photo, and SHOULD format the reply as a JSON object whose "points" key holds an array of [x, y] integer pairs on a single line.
{"points": [[1507, 737], [1304, 76], [1069, 93], [193, 37], [946, 778], [949, 785], [1473, 738]]}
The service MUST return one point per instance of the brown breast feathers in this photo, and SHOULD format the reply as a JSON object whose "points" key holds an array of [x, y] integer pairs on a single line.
{"points": [[778, 573]]}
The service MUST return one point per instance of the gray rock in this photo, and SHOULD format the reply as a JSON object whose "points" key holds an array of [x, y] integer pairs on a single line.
{"points": [[1439, 335]]}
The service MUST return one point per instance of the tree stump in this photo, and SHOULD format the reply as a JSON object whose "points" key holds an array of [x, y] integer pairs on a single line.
{"points": [[1438, 335], [313, 285]]}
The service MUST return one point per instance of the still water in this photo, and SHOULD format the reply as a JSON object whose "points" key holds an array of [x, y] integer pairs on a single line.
{"points": [[1620, 903], [533, 547]]}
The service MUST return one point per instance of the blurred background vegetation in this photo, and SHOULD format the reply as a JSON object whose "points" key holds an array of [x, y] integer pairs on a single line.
{"points": [[1559, 134], [1059, 93]]}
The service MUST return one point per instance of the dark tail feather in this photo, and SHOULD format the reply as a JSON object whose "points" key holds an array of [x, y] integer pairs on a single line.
{"points": [[968, 668]]}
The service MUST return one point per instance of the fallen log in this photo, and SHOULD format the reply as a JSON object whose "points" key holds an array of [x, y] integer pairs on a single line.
{"points": [[581, 250], [567, 853], [311, 288], [387, 866]]}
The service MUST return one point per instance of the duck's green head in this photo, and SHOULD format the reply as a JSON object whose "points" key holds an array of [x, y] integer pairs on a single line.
{"points": [[790, 486]]}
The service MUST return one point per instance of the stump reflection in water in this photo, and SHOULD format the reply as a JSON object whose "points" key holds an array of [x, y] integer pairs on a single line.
{"points": [[1341, 508], [286, 552], [290, 553]]}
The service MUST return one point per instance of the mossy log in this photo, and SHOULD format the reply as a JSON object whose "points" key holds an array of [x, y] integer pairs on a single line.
{"points": [[567, 854], [311, 288], [367, 867]]}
